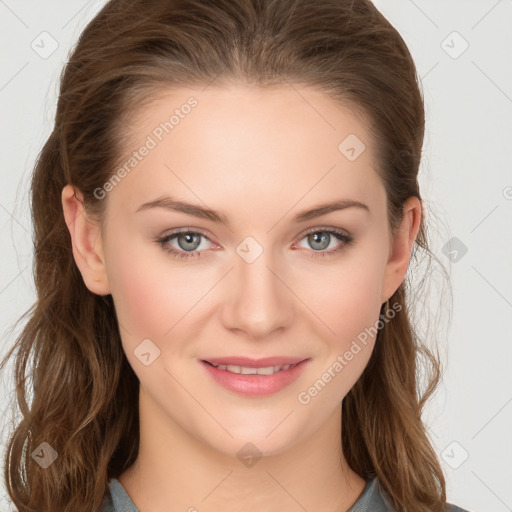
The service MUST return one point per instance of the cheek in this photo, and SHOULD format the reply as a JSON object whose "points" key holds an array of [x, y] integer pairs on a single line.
{"points": [[346, 298], [156, 299], [148, 304], [350, 307]]}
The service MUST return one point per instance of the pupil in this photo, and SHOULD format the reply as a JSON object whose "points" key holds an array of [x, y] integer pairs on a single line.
{"points": [[189, 239], [320, 238]]}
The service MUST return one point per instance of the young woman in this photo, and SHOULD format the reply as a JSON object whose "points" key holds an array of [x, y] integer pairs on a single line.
{"points": [[224, 217]]}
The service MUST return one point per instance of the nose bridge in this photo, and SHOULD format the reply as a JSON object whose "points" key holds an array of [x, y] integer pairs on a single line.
{"points": [[258, 302]]}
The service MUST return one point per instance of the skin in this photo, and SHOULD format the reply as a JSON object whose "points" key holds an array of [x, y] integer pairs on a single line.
{"points": [[259, 157]]}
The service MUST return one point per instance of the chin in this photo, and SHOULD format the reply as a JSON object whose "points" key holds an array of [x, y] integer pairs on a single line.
{"points": [[272, 438]]}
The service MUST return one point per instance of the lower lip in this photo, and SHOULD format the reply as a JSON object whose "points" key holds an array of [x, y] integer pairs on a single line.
{"points": [[256, 385]]}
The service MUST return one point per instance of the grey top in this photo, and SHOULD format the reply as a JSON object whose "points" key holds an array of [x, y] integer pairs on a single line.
{"points": [[372, 499]]}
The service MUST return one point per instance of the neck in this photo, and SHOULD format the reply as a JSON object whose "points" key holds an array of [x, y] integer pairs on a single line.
{"points": [[175, 471]]}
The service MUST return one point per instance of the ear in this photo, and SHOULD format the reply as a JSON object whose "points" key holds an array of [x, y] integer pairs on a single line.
{"points": [[401, 248], [86, 241]]}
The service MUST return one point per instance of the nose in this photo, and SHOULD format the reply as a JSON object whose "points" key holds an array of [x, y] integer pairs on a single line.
{"points": [[258, 300]]}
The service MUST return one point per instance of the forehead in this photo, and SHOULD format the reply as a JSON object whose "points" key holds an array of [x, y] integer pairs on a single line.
{"points": [[279, 143]]}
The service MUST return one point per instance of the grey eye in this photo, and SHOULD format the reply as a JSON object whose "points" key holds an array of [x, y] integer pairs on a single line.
{"points": [[189, 241], [319, 240]]}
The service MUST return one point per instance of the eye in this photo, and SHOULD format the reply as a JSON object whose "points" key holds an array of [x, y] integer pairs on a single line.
{"points": [[320, 239], [188, 243]]}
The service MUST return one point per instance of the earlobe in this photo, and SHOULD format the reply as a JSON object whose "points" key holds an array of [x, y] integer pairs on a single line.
{"points": [[401, 247], [86, 242]]}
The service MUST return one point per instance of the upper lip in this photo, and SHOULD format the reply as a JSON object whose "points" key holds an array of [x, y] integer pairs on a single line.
{"points": [[254, 363]]}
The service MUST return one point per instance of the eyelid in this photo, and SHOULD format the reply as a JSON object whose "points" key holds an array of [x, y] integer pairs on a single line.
{"points": [[186, 229], [317, 229]]}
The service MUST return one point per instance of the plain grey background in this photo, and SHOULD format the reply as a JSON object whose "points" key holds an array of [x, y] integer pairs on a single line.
{"points": [[462, 51]]}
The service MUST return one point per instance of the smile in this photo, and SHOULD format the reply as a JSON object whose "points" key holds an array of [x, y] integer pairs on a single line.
{"points": [[244, 370], [254, 381]]}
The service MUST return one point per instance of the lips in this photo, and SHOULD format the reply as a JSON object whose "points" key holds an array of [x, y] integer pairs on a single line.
{"points": [[255, 377], [252, 370], [254, 363]]}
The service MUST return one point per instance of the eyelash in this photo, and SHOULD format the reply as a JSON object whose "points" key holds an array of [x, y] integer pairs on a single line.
{"points": [[340, 235]]}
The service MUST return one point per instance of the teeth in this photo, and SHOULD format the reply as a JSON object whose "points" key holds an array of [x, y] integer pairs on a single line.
{"points": [[244, 370]]}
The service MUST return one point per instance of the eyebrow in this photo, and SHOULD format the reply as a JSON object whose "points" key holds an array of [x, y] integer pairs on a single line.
{"points": [[206, 213]]}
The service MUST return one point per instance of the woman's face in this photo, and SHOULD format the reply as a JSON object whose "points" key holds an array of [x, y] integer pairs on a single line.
{"points": [[259, 278]]}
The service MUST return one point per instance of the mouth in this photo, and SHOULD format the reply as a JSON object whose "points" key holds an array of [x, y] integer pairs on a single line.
{"points": [[248, 370], [255, 378]]}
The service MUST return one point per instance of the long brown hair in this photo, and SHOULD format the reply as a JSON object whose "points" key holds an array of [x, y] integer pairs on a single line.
{"points": [[74, 386]]}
